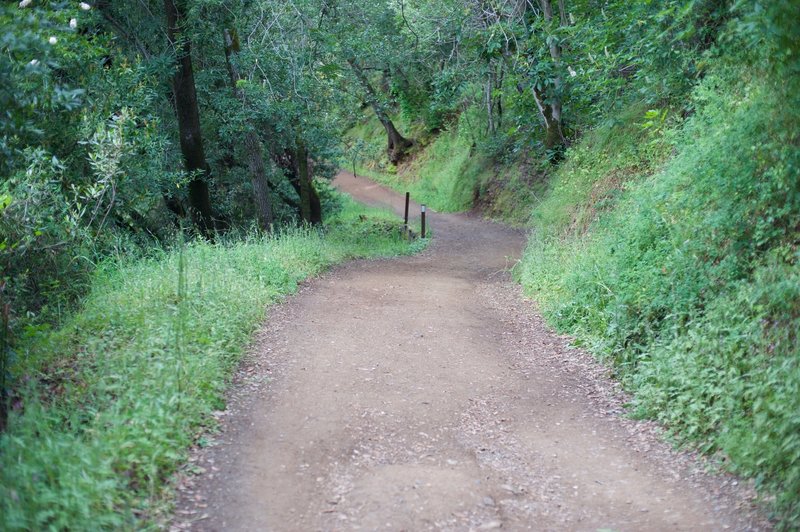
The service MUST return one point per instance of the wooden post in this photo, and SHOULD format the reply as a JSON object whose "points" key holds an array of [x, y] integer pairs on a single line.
{"points": [[422, 223], [405, 218]]}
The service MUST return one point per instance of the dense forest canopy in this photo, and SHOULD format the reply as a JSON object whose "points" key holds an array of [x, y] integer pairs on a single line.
{"points": [[130, 126], [124, 119]]}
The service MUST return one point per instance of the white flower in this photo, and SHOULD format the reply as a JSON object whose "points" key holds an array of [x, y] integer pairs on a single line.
{"points": [[572, 72], [85, 6], [25, 3], [34, 62], [73, 23], [52, 40]]}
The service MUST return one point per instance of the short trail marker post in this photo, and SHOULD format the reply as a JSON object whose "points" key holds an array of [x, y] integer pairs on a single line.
{"points": [[405, 218], [422, 222]]}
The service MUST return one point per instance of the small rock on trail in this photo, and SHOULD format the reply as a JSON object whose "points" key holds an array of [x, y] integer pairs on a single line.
{"points": [[423, 393]]}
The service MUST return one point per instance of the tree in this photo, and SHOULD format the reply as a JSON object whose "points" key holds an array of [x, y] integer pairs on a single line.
{"points": [[397, 145], [188, 113], [301, 178], [366, 37], [552, 114], [258, 176]]}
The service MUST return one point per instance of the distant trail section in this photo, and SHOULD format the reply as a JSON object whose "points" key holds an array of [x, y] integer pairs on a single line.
{"points": [[424, 393]]}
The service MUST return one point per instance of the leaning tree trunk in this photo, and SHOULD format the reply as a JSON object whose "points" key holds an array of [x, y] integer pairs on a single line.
{"points": [[252, 144], [189, 119], [397, 145]]}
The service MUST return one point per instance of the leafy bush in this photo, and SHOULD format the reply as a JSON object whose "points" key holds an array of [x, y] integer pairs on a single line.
{"points": [[83, 167]]}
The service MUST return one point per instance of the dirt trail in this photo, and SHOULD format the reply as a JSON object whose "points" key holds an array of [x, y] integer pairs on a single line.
{"points": [[424, 393]]}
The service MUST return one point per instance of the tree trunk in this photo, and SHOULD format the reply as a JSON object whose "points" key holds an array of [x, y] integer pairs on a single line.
{"points": [[562, 11], [552, 134], [494, 104], [301, 179], [397, 145], [490, 102], [189, 120], [499, 99], [555, 135], [310, 205], [252, 144], [305, 189]]}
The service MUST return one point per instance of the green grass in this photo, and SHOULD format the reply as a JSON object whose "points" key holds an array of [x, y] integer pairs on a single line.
{"points": [[442, 176], [109, 403], [675, 257]]}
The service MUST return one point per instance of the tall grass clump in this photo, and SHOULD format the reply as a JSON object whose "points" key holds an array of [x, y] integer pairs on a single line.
{"points": [[106, 406], [687, 277]]}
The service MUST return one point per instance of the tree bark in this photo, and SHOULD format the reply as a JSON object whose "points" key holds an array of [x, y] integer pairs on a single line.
{"points": [[494, 104], [301, 179], [255, 155], [562, 11], [310, 205], [490, 101], [554, 135], [189, 119], [397, 145]]}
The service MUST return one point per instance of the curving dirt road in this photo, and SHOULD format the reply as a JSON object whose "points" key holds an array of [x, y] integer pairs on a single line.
{"points": [[424, 393]]}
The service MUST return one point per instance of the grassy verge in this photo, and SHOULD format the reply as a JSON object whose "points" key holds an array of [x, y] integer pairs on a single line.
{"points": [[110, 402], [674, 255]]}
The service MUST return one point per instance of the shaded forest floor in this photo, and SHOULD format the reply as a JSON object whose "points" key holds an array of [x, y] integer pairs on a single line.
{"points": [[425, 393]]}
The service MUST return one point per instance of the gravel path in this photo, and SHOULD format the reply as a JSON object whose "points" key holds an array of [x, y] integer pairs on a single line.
{"points": [[424, 393]]}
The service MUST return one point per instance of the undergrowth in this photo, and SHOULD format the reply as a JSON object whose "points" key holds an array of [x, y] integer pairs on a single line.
{"points": [[674, 255], [107, 405]]}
